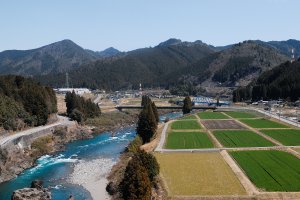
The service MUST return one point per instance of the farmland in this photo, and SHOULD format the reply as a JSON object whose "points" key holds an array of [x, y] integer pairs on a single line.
{"points": [[188, 140], [198, 174], [241, 138], [262, 123], [240, 115], [270, 170], [185, 124], [289, 137], [188, 117], [212, 115], [222, 124]]}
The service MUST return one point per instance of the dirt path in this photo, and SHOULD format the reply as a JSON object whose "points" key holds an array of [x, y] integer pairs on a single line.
{"points": [[247, 184]]}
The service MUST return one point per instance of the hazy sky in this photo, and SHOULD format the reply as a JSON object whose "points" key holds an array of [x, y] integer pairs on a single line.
{"points": [[131, 24]]}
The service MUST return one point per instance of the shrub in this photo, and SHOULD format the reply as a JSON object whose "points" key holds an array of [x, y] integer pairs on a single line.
{"points": [[135, 144], [41, 145]]}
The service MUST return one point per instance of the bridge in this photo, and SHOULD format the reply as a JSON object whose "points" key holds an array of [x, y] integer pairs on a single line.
{"points": [[120, 108]]}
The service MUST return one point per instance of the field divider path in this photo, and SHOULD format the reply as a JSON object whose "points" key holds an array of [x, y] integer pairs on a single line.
{"points": [[162, 140], [256, 131], [244, 180], [210, 135]]}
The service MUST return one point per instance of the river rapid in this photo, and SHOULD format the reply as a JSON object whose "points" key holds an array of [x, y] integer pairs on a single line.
{"points": [[56, 170]]}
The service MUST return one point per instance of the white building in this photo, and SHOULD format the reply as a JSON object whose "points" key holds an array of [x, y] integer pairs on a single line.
{"points": [[78, 91]]}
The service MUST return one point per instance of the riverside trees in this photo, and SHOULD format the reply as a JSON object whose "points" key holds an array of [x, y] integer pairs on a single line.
{"points": [[187, 105], [80, 109], [148, 118]]}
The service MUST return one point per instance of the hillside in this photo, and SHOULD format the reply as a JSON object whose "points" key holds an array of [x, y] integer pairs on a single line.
{"points": [[53, 58], [23, 103], [231, 67], [148, 66], [280, 82]]}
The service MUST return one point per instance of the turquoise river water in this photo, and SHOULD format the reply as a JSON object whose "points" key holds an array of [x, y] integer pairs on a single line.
{"points": [[56, 169]]}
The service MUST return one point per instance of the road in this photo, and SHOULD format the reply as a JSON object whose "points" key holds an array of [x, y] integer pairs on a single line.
{"points": [[61, 121]]}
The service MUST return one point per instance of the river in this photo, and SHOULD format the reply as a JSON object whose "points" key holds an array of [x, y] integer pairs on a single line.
{"points": [[55, 170]]}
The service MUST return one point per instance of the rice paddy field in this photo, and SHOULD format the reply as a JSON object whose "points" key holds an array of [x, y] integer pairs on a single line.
{"points": [[289, 137], [185, 124], [212, 115], [188, 140], [240, 115], [270, 170], [188, 117], [222, 124], [241, 138], [262, 123], [187, 174]]}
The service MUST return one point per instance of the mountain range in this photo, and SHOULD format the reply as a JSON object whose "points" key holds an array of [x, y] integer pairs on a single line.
{"points": [[169, 64]]}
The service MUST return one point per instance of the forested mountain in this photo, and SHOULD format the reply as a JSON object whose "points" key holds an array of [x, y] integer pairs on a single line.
{"points": [[231, 67], [149, 66], [57, 57], [109, 52], [280, 82], [23, 102], [284, 47]]}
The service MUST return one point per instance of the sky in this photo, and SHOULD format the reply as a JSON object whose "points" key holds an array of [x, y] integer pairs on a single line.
{"points": [[132, 24]]}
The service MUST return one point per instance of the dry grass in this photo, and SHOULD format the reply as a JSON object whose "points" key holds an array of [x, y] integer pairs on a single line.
{"points": [[198, 174], [61, 104]]}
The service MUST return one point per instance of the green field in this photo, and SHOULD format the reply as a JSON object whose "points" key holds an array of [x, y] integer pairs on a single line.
{"points": [[212, 115], [241, 138], [188, 140], [262, 123], [289, 137], [270, 170], [240, 115], [185, 124], [188, 117]]}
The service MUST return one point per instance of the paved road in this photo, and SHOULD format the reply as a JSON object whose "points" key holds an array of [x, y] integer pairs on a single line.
{"points": [[61, 121]]}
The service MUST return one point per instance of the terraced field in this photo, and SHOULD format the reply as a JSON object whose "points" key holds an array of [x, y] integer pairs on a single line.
{"points": [[240, 115], [212, 115], [188, 117], [289, 137], [185, 124], [188, 140], [241, 138], [198, 174], [270, 170], [262, 123]]}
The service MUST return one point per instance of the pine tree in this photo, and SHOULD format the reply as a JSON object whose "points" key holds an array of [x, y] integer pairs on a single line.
{"points": [[155, 112], [187, 105], [147, 124], [136, 184]]}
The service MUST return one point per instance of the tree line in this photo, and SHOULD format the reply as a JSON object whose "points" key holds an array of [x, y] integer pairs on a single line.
{"points": [[80, 109], [24, 102], [280, 82]]}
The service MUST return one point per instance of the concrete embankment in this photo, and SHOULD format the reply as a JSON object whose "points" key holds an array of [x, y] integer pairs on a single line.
{"points": [[16, 154]]}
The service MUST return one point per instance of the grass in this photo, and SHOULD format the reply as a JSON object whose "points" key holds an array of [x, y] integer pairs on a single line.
{"points": [[240, 115], [198, 174], [290, 137], [262, 123], [188, 117], [241, 138], [185, 124], [270, 170], [188, 140], [212, 115]]}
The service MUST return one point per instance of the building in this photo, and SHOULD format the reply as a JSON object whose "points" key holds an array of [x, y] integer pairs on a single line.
{"points": [[78, 91]]}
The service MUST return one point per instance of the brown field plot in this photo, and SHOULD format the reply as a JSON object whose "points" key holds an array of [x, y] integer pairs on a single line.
{"points": [[222, 124], [188, 174]]}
